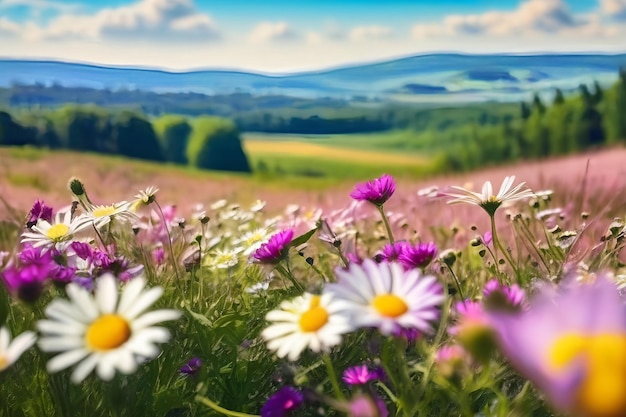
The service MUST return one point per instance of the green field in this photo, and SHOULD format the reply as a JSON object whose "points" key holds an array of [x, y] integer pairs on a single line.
{"points": [[337, 156]]}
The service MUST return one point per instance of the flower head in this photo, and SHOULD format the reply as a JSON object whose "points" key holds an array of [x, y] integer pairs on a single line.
{"points": [[572, 345], [147, 196], [191, 367], [377, 191], [366, 406], [26, 280], [313, 321], [361, 375], [282, 403], [388, 297], [418, 256], [101, 215], [11, 351], [275, 249], [497, 295], [486, 199], [57, 234], [105, 331], [39, 211]]}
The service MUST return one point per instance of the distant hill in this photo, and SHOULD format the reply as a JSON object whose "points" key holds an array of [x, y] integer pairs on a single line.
{"points": [[425, 78]]}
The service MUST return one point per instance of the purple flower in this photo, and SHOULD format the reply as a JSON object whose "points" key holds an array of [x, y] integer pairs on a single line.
{"points": [[39, 211], [26, 282], [391, 251], [282, 403], [377, 191], [62, 274], [82, 250], [571, 343], [498, 296], [275, 250], [191, 367], [418, 256], [85, 282], [410, 335], [361, 374], [158, 255]]}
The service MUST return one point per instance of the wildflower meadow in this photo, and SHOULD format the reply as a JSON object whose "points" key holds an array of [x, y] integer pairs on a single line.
{"points": [[373, 309]]}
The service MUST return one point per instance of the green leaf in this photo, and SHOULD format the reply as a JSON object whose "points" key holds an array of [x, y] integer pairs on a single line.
{"points": [[302, 238], [203, 320]]}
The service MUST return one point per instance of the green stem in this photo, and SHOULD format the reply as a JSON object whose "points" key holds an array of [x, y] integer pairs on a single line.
{"points": [[497, 244], [169, 240], [457, 282], [381, 210], [290, 277], [332, 376], [222, 410]]}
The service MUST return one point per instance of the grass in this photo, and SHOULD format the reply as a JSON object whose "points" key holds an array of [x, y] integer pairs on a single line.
{"points": [[335, 156]]}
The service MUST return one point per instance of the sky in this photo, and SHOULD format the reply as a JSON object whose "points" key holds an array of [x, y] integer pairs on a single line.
{"points": [[285, 36]]}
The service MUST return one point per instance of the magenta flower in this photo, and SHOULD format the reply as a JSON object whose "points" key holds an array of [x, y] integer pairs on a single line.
{"points": [[391, 251], [282, 403], [571, 343], [39, 211], [26, 282], [275, 250], [377, 191], [361, 375], [418, 256]]}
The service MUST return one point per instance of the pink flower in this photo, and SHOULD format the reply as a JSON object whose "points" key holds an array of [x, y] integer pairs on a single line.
{"points": [[275, 250], [377, 191], [361, 374]]}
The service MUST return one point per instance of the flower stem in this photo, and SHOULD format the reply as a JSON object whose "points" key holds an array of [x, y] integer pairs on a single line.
{"points": [[381, 210], [332, 376], [216, 407], [284, 272], [497, 244], [169, 240]]}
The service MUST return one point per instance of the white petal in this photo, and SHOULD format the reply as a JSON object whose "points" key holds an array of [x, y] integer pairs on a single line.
{"points": [[154, 317], [5, 339], [106, 366], [84, 368], [126, 363], [20, 344], [143, 302], [83, 300], [60, 344], [132, 290], [106, 293], [64, 311], [65, 360], [58, 328]]}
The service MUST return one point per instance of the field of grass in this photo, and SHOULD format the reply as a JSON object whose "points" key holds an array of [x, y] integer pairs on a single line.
{"points": [[336, 156]]}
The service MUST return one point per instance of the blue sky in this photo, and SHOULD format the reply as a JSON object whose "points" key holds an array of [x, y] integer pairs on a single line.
{"points": [[279, 36]]}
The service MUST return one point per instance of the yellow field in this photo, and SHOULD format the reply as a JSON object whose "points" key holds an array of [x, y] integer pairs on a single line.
{"points": [[302, 149]]}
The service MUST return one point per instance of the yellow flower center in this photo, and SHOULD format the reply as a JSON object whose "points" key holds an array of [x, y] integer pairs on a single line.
{"points": [[107, 332], [390, 305], [58, 231], [103, 211], [601, 391], [4, 362], [315, 317]]}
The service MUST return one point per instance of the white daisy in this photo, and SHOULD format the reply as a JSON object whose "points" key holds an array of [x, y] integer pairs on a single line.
{"points": [[258, 205], [224, 258], [11, 351], [106, 331], [146, 196], [313, 321], [251, 241], [102, 215], [58, 234], [486, 199], [388, 297]]}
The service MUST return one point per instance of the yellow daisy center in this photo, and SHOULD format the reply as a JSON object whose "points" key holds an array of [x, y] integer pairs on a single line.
{"points": [[103, 211], [390, 305], [4, 362], [58, 231], [601, 392], [315, 317], [107, 332]]}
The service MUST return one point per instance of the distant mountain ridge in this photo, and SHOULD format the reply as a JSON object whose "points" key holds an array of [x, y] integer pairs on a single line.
{"points": [[454, 77]]}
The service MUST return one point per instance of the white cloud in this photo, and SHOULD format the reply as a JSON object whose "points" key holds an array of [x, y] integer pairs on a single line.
{"points": [[8, 28], [150, 20], [530, 17], [272, 31], [38, 6], [372, 32], [614, 8]]}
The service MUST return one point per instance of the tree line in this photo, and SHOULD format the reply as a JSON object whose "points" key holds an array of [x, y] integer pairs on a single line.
{"points": [[209, 142]]}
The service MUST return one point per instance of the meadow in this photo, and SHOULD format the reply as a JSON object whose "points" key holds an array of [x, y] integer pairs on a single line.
{"points": [[239, 295]]}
